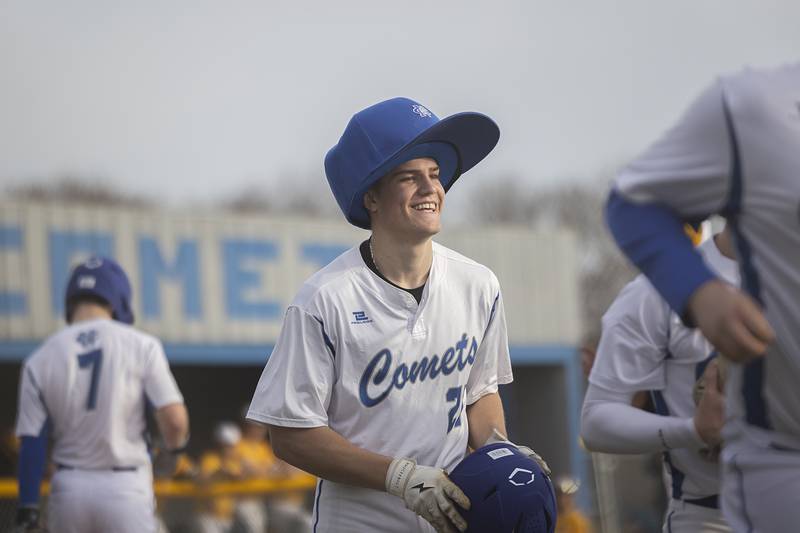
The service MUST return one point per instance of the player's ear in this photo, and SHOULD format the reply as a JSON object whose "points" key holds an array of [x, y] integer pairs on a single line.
{"points": [[371, 200]]}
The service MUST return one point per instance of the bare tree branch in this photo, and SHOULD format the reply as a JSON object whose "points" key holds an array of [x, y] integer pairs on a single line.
{"points": [[578, 207], [78, 190]]}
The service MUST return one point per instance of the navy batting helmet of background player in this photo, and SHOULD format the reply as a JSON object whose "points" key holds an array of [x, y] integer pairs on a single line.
{"points": [[101, 278], [508, 491]]}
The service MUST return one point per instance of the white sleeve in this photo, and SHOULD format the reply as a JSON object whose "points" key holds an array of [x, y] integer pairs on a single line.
{"points": [[634, 340], [610, 424], [492, 366], [689, 167], [296, 384], [159, 383], [31, 412]]}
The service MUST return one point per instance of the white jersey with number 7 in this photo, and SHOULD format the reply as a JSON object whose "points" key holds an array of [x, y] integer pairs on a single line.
{"points": [[92, 380]]}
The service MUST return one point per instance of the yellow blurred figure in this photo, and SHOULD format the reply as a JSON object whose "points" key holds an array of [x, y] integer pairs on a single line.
{"points": [[254, 451], [570, 518], [694, 232], [286, 510], [221, 464], [184, 467]]}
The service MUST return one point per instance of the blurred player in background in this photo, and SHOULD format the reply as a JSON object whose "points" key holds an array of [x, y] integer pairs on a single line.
{"points": [[570, 518], [736, 152], [286, 510], [88, 386], [389, 359], [225, 463], [645, 347]]}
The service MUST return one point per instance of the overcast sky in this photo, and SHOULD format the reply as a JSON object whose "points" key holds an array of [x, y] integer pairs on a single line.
{"points": [[190, 101]]}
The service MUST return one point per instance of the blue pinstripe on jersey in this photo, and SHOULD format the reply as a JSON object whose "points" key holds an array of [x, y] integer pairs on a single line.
{"points": [[328, 342], [676, 475], [316, 505], [753, 379]]}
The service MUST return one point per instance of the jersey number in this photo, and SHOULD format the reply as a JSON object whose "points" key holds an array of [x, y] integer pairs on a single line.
{"points": [[93, 359], [454, 415]]}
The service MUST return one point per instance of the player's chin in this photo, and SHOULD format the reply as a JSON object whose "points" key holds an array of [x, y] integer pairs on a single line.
{"points": [[429, 222], [428, 227]]}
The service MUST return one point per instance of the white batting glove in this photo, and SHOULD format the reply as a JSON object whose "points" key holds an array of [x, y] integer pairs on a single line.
{"points": [[428, 492], [499, 437]]}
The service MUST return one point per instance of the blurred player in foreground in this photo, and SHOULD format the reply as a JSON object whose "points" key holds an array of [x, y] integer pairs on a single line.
{"points": [[645, 347], [388, 363], [736, 151], [88, 386]]}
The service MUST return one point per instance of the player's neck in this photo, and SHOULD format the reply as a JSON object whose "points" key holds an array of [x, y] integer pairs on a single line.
{"points": [[404, 262], [89, 311]]}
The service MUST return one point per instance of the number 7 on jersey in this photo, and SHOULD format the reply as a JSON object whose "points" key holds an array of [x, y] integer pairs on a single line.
{"points": [[93, 359]]}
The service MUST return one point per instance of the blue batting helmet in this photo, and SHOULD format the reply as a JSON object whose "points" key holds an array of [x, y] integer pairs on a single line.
{"points": [[391, 132], [103, 278], [508, 491]]}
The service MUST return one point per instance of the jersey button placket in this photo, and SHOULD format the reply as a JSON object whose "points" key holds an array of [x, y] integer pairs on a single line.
{"points": [[415, 323]]}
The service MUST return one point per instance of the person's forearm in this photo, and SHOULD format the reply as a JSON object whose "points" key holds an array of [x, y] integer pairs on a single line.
{"points": [[173, 424], [326, 454], [651, 236], [484, 417], [616, 427]]}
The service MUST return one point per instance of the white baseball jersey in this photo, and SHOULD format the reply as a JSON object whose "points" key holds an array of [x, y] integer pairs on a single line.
{"points": [[736, 151], [646, 347], [392, 376], [91, 381]]}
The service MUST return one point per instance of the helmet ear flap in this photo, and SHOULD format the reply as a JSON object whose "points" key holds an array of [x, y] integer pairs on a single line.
{"points": [[124, 313]]}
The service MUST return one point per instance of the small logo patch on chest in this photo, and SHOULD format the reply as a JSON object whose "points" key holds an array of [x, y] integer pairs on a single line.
{"points": [[360, 317]]}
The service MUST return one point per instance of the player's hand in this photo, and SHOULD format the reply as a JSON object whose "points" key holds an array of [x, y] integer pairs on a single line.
{"points": [[731, 320], [499, 437], [428, 492], [27, 520], [536, 457], [709, 416], [165, 464]]}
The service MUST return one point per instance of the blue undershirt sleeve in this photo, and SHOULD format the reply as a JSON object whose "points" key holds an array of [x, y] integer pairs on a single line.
{"points": [[651, 236], [32, 459]]}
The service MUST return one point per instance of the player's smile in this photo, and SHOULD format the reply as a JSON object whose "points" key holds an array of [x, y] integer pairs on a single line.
{"points": [[410, 197], [429, 207]]}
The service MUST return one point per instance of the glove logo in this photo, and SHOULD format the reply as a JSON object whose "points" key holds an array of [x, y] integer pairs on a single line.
{"points": [[421, 487], [520, 477]]}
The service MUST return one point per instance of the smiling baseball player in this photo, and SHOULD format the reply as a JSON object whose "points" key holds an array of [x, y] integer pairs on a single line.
{"points": [[87, 386], [645, 347], [389, 359], [736, 151]]}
